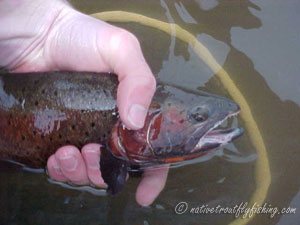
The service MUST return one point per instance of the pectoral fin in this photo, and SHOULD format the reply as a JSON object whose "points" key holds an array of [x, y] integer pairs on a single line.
{"points": [[113, 170]]}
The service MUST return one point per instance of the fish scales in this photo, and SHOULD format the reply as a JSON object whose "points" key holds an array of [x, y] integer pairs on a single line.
{"points": [[44, 111]]}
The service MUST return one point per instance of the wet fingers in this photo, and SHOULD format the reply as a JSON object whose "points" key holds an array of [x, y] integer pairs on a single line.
{"points": [[54, 170], [72, 165], [91, 155]]}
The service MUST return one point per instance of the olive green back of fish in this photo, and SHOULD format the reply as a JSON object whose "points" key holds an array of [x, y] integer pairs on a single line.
{"points": [[41, 112]]}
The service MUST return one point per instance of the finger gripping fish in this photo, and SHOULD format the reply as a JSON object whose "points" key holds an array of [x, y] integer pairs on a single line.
{"points": [[40, 112]]}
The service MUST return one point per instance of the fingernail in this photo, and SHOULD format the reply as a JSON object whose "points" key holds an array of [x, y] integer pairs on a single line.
{"points": [[93, 163], [57, 170], [69, 163], [137, 115]]}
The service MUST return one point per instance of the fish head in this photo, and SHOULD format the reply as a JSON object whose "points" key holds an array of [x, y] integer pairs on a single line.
{"points": [[178, 127]]}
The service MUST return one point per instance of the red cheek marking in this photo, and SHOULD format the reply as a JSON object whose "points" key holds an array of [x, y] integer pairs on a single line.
{"points": [[175, 116], [114, 142], [135, 145], [175, 120], [156, 127], [134, 142]]}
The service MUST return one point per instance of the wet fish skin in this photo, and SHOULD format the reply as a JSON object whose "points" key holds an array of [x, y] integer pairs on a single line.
{"points": [[40, 112]]}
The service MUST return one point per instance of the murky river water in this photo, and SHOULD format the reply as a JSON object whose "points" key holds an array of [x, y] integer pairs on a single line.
{"points": [[257, 43]]}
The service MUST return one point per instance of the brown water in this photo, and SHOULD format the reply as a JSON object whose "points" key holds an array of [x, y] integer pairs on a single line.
{"points": [[257, 43]]}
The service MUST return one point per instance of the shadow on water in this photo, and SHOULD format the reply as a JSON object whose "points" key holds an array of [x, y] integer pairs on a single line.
{"points": [[279, 124], [216, 22], [28, 198]]}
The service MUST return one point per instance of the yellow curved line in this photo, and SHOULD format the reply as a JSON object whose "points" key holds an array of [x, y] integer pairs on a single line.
{"points": [[262, 170]]}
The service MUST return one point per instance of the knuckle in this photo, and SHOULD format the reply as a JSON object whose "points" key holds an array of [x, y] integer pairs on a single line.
{"points": [[122, 38], [91, 148], [128, 37], [149, 82]]}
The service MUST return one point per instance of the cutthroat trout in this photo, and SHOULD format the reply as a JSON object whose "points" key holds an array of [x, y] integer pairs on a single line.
{"points": [[40, 112]]}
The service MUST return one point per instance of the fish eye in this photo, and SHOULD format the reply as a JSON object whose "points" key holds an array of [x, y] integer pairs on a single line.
{"points": [[198, 115]]}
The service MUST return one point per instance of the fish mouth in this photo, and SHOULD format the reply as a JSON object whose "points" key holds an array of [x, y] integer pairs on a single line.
{"points": [[216, 137]]}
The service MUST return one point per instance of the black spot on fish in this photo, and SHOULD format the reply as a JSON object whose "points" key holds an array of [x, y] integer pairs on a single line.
{"points": [[34, 132], [23, 138], [59, 136], [105, 93], [82, 111], [38, 147], [92, 124], [73, 127], [36, 103], [51, 139]]}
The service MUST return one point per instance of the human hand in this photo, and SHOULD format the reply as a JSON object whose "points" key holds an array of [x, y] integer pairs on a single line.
{"points": [[44, 35]]}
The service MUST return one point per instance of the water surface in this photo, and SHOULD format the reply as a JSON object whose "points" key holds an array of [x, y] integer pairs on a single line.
{"points": [[257, 43]]}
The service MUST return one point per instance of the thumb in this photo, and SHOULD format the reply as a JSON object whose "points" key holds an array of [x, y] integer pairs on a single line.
{"points": [[136, 81]]}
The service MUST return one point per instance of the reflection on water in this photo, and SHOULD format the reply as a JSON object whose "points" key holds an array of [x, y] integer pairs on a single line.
{"points": [[274, 47], [256, 43]]}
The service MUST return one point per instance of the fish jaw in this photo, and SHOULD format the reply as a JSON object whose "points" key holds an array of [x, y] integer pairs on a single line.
{"points": [[218, 137]]}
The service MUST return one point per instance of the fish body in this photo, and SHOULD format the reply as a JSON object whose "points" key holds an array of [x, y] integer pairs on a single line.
{"points": [[40, 112]]}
